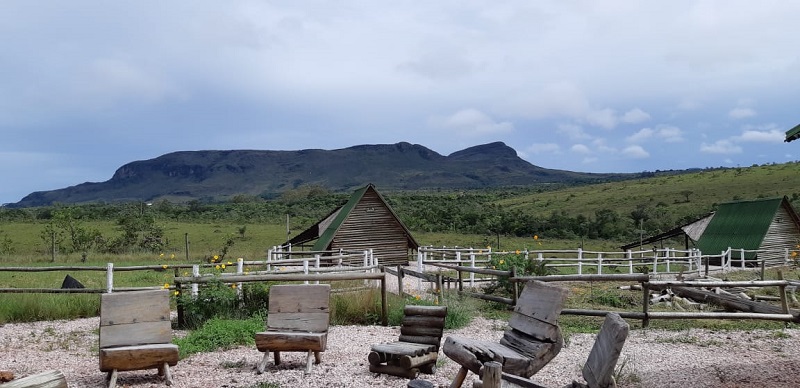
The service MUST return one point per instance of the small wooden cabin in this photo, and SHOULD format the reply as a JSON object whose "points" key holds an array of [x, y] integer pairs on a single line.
{"points": [[770, 224], [365, 222]]}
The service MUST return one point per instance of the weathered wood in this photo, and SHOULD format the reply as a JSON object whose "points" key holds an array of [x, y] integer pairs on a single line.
{"points": [[727, 301], [532, 341], [492, 371], [599, 368], [297, 320], [135, 318], [460, 376], [290, 341], [47, 379], [136, 333], [126, 358], [418, 347], [394, 370]]}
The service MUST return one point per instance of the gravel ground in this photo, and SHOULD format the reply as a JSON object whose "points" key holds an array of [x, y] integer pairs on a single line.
{"points": [[651, 358]]}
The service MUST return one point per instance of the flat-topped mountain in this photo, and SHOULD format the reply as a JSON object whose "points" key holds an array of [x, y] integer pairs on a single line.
{"points": [[218, 175]]}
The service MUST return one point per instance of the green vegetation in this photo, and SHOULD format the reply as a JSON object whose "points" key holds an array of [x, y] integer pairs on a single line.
{"points": [[595, 217]]}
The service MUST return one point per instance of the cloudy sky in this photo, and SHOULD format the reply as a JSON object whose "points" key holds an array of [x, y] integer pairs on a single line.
{"points": [[590, 86]]}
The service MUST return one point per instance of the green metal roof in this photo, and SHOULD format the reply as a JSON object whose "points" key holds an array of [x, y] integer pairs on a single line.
{"points": [[739, 225], [793, 133], [326, 237]]}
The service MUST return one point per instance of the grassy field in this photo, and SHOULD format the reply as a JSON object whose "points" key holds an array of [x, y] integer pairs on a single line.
{"points": [[684, 194]]}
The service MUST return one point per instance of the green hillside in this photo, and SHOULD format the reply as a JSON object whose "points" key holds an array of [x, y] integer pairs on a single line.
{"points": [[678, 196]]}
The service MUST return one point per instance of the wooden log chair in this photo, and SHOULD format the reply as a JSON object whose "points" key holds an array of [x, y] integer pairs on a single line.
{"points": [[531, 341], [417, 348], [297, 321], [136, 334], [598, 370]]}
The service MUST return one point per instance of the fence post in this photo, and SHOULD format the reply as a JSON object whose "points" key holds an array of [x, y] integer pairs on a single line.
{"points": [[645, 303], [629, 256], [420, 262], [239, 271], [439, 289], [516, 285], [400, 276], [109, 277], [384, 309], [305, 268], [195, 273], [741, 256], [186, 244], [471, 265], [269, 258]]}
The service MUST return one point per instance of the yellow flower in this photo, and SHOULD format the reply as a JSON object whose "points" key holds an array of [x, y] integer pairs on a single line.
{"points": [[233, 285], [517, 251], [246, 272], [166, 286], [177, 292], [535, 237], [164, 266], [217, 267], [185, 273], [172, 256], [216, 257], [229, 263], [502, 261], [223, 266], [161, 255]]}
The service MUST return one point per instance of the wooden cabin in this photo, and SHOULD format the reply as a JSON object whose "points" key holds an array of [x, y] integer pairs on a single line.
{"points": [[770, 224], [365, 222]]}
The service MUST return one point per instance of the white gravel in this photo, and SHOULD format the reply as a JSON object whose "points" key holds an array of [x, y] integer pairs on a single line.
{"points": [[652, 358]]}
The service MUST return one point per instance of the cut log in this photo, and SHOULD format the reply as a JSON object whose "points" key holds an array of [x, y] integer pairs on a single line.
{"points": [[48, 379]]}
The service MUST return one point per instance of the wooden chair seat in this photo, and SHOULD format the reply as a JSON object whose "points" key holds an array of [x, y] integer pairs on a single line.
{"points": [[290, 341], [297, 321], [472, 354], [418, 346], [138, 357]]}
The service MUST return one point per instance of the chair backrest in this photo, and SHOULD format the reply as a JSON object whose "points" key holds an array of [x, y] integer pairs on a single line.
{"points": [[135, 318], [599, 368], [299, 308], [423, 324], [535, 316]]}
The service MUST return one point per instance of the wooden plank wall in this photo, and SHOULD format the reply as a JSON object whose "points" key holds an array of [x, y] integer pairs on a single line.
{"points": [[782, 234], [371, 225]]}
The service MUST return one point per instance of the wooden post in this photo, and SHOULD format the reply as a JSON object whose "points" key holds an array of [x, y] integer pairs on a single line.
{"points": [[492, 371], [645, 303], [782, 289], [109, 277], [516, 285], [186, 244], [763, 263], [460, 280], [400, 281], [439, 291], [384, 309]]}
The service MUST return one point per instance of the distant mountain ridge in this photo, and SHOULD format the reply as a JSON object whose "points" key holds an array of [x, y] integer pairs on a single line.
{"points": [[218, 175]]}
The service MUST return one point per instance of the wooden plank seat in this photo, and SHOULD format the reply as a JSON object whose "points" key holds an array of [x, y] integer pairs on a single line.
{"points": [[297, 321], [531, 341], [417, 348], [136, 334]]}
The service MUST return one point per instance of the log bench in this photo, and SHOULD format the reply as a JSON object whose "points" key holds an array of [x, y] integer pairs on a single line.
{"points": [[136, 334], [417, 348], [297, 321], [531, 341]]}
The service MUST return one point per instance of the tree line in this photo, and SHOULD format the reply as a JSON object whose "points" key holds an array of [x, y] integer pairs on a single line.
{"points": [[474, 212]]}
